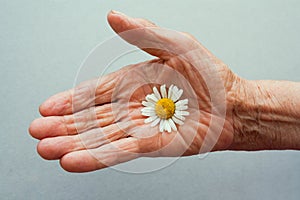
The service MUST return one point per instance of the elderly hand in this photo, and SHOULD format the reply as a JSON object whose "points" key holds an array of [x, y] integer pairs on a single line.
{"points": [[87, 133]]}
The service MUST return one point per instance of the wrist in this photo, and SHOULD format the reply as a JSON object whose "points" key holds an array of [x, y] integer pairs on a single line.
{"points": [[264, 116]]}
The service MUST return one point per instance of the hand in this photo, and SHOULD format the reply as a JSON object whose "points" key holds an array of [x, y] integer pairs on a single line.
{"points": [[116, 133]]}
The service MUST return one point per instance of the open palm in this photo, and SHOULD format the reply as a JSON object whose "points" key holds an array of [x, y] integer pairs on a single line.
{"points": [[99, 123]]}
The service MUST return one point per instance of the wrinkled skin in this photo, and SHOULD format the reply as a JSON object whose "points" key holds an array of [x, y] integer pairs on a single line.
{"points": [[83, 141]]}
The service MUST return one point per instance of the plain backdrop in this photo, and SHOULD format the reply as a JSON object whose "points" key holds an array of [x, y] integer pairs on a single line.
{"points": [[42, 44]]}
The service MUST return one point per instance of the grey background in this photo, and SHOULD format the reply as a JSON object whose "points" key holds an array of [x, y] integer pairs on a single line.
{"points": [[43, 43]]}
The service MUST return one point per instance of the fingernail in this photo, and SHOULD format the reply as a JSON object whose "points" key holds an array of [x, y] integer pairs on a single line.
{"points": [[116, 12]]}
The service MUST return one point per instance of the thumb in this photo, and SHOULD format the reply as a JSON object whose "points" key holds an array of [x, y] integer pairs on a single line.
{"points": [[121, 22], [152, 39]]}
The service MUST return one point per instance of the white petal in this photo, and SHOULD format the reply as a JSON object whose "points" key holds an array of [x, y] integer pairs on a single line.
{"points": [[150, 119], [182, 118], [156, 93], [175, 89], [148, 99], [182, 102], [146, 109], [161, 125], [181, 108], [148, 114], [167, 126], [170, 91], [172, 124], [148, 104], [155, 122], [181, 112], [151, 98], [177, 95], [177, 121], [163, 91]]}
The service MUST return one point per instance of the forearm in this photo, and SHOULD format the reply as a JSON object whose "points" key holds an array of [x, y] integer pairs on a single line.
{"points": [[266, 115]]}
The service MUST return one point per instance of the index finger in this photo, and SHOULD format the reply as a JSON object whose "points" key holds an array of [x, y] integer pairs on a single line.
{"points": [[85, 95]]}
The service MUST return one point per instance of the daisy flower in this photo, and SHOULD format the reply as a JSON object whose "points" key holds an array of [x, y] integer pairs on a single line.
{"points": [[165, 109]]}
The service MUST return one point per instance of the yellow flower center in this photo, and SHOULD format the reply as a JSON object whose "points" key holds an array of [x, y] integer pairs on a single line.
{"points": [[165, 108]]}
